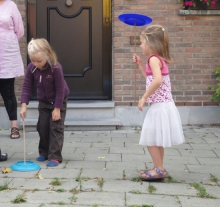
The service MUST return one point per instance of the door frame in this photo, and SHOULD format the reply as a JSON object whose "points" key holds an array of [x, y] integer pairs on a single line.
{"points": [[106, 41]]}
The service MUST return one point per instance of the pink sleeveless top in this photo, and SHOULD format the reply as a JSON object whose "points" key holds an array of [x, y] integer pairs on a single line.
{"points": [[163, 93]]}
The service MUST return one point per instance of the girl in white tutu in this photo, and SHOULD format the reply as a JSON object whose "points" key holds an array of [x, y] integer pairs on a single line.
{"points": [[162, 125]]}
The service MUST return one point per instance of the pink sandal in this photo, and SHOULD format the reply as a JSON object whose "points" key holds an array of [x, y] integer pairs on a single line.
{"points": [[161, 174]]}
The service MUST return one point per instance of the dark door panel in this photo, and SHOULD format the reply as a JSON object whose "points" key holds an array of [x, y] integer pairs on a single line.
{"points": [[81, 36]]}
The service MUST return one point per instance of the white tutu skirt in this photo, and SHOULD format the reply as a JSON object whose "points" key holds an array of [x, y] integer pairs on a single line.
{"points": [[162, 126]]}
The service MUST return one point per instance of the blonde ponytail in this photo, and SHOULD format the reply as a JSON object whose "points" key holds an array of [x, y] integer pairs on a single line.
{"points": [[42, 45]]}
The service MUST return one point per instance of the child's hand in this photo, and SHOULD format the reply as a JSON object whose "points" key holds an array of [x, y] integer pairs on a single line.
{"points": [[23, 111], [136, 59], [141, 103], [56, 114]]}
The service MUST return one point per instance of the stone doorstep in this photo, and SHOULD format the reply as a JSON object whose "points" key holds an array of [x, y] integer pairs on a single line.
{"points": [[80, 124], [80, 104]]}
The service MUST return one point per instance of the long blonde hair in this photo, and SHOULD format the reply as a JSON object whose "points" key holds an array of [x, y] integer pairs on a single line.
{"points": [[42, 45], [157, 38]]}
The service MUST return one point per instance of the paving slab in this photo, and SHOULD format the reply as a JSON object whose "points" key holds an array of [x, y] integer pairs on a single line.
{"points": [[188, 177], [209, 146], [194, 140], [155, 200], [100, 199], [8, 195], [129, 150], [213, 190], [103, 157], [203, 169], [217, 152], [198, 202], [207, 130], [209, 161], [85, 165], [30, 184], [59, 173], [121, 186], [197, 153], [127, 139], [174, 189], [102, 173], [49, 197], [107, 144], [211, 140], [126, 165], [90, 150]]}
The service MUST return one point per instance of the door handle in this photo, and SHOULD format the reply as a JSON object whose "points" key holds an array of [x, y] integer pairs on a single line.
{"points": [[69, 3]]}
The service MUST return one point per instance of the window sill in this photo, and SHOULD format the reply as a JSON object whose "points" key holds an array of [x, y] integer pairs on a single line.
{"points": [[199, 12]]}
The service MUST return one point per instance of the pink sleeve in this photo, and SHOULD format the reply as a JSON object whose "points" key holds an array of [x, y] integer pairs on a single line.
{"points": [[18, 23]]}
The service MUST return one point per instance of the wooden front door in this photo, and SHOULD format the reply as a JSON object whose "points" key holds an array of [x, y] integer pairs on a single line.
{"points": [[80, 33]]}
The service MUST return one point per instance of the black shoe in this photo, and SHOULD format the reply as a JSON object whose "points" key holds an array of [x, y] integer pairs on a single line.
{"points": [[3, 157]]}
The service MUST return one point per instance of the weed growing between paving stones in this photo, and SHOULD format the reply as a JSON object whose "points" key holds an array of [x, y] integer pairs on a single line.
{"points": [[151, 188], [79, 179], [100, 183], [73, 198], [61, 190], [135, 192], [171, 180], [56, 182], [136, 179], [19, 199], [5, 185], [144, 205], [59, 203], [177, 199], [74, 191], [34, 190], [94, 205], [202, 191], [213, 178]]}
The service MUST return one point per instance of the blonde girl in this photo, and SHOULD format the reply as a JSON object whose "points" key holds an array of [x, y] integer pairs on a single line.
{"points": [[162, 125], [52, 91]]}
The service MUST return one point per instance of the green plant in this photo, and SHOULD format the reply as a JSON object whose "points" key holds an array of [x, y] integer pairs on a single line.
{"points": [[151, 188], [171, 180], [58, 203], [136, 192], [216, 88], [136, 179], [4, 186], [144, 205], [61, 190], [19, 199], [101, 183], [201, 191], [73, 198], [213, 178], [79, 179], [56, 182]]}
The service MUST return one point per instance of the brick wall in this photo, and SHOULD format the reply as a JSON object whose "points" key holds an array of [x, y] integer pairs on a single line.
{"points": [[195, 48]]}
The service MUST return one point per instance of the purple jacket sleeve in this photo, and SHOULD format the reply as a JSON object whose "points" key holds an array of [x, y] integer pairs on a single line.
{"points": [[18, 23], [59, 86], [28, 85]]}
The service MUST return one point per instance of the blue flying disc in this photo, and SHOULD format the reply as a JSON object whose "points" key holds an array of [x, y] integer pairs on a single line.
{"points": [[25, 166], [135, 19]]}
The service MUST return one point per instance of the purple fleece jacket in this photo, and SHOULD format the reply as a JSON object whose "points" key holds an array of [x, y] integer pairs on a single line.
{"points": [[51, 86]]}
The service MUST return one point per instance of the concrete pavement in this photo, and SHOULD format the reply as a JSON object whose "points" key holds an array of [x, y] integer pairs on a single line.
{"points": [[101, 168]]}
